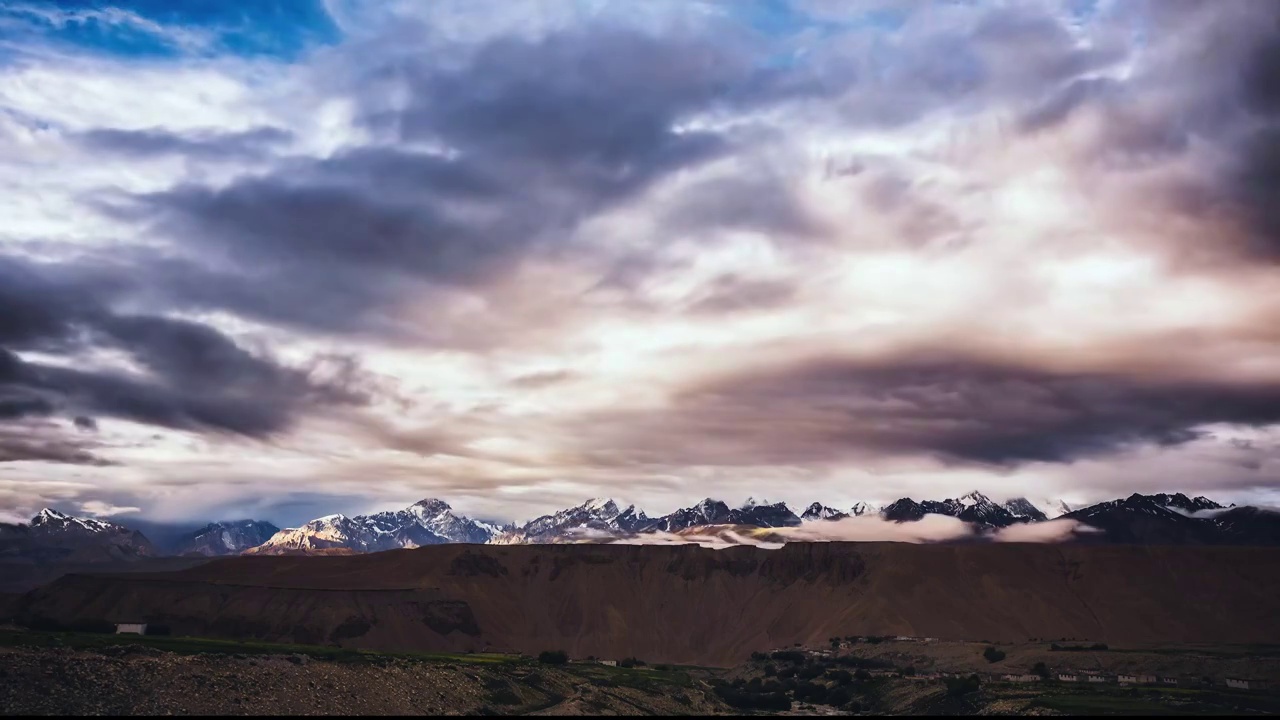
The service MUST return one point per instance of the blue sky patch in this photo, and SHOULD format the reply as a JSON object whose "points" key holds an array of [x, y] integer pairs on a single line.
{"points": [[163, 28]]}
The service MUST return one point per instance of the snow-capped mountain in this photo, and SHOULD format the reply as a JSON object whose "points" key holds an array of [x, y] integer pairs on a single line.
{"points": [[53, 535], [863, 508], [1179, 501], [428, 522], [766, 515], [1166, 519], [1161, 518], [226, 538], [1022, 509], [818, 511], [707, 512], [973, 507], [716, 512], [598, 514]]}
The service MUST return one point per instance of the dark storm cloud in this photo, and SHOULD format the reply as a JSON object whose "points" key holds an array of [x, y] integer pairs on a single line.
{"points": [[754, 199], [205, 145], [1206, 84], [955, 408], [189, 376], [41, 442], [534, 138], [1062, 102], [1257, 179]]}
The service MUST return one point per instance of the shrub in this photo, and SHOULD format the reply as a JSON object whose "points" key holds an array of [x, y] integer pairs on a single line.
{"points": [[1041, 669], [963, 686], [809, 672], [791, 656], [909, 670], [862, 675], [759, 656], [770, 670], [158, 630], [838, 697], [811, 692], [630, 663], [553, 657], [753, 701], [842, 677], [993, 654], [787, 672]]}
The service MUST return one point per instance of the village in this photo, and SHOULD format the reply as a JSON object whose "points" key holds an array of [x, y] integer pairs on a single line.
{"points": [[1039, 674]]}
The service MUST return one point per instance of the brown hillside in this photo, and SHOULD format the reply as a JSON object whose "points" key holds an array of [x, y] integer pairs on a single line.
{"points": [[691, 605]]}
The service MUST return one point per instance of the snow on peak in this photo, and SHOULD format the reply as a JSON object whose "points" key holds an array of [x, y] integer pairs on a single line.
{"points": [[599, 504], [752, 502], [432, 505], [973, 498], [51, 514]]}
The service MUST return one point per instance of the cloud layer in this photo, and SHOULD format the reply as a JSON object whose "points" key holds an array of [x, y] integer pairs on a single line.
{"points": [[516, 255]]}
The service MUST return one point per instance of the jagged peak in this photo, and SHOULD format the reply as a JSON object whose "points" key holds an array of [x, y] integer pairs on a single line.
{"points": [[50, 514], [974, 498], [432, 504], [598, 504]]}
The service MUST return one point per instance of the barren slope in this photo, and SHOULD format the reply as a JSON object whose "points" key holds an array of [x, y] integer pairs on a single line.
{"points": [[690, 605]]}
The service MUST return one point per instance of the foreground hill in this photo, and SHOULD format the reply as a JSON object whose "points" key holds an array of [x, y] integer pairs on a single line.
{"points": [[686, 604]]}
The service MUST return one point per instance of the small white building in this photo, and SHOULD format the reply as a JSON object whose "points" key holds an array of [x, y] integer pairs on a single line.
{"points": [[1091, 677], [131, 628], [1168, 680], [610, 663], [1014, 677], [1068, 677], [1243, 684]]}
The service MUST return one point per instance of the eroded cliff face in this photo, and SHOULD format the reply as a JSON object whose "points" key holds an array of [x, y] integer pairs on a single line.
{"points": [[686, 604]]}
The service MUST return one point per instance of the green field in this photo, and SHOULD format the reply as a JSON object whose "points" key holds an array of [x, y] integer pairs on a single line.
{"points": [[1157, 702], [194, 645], [645, 678]]}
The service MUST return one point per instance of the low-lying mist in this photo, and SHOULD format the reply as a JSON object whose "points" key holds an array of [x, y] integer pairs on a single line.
{"points": [[931, 528]]}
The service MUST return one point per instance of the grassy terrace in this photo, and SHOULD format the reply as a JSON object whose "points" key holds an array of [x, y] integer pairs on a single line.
{"points": [[604, 675]]}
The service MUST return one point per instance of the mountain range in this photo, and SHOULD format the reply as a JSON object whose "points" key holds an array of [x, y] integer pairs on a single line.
{"points": [[1166, 519]]}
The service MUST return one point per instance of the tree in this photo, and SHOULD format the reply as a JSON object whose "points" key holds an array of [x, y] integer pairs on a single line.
{"points": [[553, 657], [1041, 669], [993, 654], [963, 686]]}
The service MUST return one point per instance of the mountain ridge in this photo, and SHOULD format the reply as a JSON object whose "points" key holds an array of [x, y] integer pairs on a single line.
{"points": [[1160, 518]]}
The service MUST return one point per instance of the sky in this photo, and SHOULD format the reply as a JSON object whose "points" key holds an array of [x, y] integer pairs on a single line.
{"points": [[286, 259]]}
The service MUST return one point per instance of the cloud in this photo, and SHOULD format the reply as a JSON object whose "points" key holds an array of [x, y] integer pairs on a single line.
{"points": [[1044, 532], [181, 374], [671, 248], [930, 529], [101, 509], [957, 408], [207, 145], [44, 442]]}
